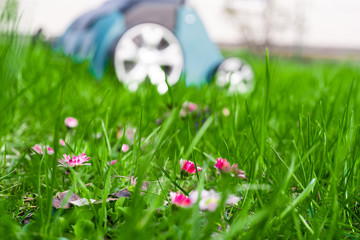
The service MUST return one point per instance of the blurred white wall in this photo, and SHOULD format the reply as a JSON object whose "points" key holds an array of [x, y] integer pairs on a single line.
{"points": [[52, 16], [309, 23]]}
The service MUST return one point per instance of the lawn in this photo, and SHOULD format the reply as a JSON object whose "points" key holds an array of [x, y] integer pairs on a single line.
{"points": [[296, 137]]}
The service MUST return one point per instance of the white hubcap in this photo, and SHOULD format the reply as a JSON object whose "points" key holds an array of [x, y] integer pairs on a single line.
{"points": [[148, 50], [235, 74]]}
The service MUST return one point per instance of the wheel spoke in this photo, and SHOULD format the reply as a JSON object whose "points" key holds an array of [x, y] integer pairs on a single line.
{"points": [[128, 50], [137, 74], [171, 56], [156, 75], [152, 36], [162, 88], [247, 73]]}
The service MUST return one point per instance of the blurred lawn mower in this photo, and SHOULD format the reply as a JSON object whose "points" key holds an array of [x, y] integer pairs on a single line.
{"points": [[146, 38]]}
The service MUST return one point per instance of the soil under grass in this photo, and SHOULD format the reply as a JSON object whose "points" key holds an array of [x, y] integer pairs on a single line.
{"points": [[296, 136]]}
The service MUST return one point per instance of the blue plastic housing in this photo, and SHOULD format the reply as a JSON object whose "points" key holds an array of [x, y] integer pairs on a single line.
{"points": [[94, 35]]}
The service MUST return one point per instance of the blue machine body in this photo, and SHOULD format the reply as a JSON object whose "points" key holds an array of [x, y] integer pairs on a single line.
{"points": [[94, 35]]}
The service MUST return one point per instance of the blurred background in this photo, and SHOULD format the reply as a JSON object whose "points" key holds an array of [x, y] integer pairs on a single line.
{"points": [[308, 28]]}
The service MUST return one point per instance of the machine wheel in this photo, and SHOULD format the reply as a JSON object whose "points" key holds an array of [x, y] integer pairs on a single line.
{"points": [[235, 74], [148, 50]]}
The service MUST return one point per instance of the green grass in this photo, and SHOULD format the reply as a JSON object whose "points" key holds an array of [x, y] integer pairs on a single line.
{"points": [[296, 136]]}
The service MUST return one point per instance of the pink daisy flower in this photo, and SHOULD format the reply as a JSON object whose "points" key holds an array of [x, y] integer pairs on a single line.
{"points": [[240, 173], [37, 148], [125, 148], [223, 165], [129, 133], [113, 162], [71, 122], [192, 107], [49, 150], [180, 200], [62, 142], [232, 200], [187, 108], [188, 167], [74, 161], [209, 200], [40, 149], [226, 112], [133, 180]]}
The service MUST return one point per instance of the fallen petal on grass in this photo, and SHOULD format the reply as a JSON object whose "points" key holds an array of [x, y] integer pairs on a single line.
{"points": [[59, 198], [82, 202], [78, 201], [123, 193]]}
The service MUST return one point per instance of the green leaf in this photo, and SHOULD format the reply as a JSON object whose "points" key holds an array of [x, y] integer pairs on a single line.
{"points": [[84, 229]]}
